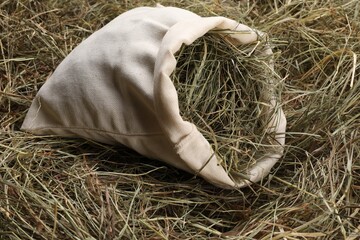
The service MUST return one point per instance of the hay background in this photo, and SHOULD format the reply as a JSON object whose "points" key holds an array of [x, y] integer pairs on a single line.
{"points": [[55, 188]]}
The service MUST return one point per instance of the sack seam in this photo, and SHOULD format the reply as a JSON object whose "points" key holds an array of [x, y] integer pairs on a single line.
{"points": [[102, 131], [180, 146]]}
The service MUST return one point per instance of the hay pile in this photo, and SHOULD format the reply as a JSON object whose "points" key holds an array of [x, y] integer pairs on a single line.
{"points": [[55, 188], [225, 90]]}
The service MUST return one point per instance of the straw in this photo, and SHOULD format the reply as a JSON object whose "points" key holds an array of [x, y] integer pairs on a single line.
{"points": [[224, 90], [59, 188]]}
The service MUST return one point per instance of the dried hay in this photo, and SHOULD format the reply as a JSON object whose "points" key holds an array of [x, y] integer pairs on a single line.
{"points": [[55, 188], [225, 90]]}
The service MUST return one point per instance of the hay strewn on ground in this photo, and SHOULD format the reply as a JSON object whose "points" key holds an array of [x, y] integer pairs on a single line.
{"points": [[55, 188]]}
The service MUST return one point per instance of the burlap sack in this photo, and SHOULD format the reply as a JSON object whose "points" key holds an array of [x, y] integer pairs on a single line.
{"points": [[115, 88]]}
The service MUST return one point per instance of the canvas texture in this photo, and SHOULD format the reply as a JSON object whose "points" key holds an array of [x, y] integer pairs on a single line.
{"points": [[115, 88]]}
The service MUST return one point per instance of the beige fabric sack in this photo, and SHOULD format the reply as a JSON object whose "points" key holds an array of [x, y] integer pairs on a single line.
{"points": [[115, 88]]}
